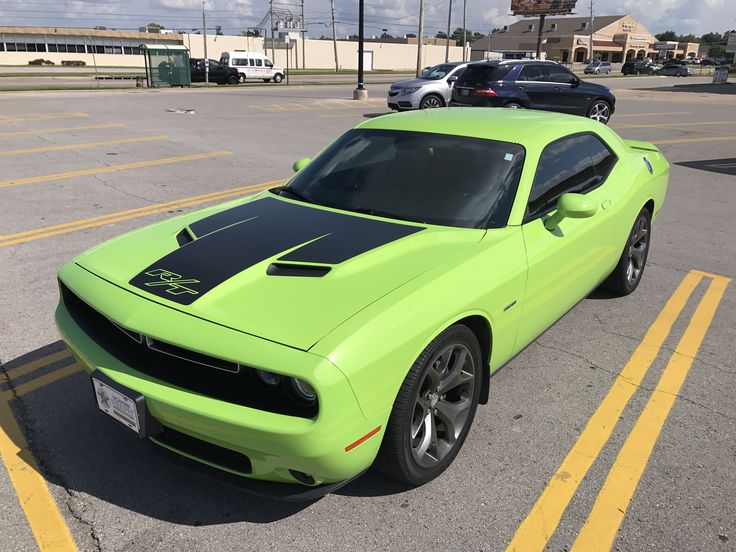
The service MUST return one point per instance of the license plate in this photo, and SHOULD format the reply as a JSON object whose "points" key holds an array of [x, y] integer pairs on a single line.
{"points": [[115, 404], [464, 92]]}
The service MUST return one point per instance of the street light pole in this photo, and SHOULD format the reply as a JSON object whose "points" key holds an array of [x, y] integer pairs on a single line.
{"points": [[419, 37], [465, 31], [447, 39], [206, 59], [360, 92]]}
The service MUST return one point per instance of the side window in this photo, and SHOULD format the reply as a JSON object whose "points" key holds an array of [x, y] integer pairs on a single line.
{"points": [[603, 159], [251, 62], [559, 74], [259, 62], [532, 73], [267, 63], [565, 166]]}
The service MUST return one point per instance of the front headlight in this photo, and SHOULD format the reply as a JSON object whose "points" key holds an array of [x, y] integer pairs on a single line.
{"points": [[301, 390], [406, 91]]}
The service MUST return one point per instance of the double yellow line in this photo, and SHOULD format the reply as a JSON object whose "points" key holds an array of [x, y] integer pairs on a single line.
{"points": [[601, 526], [83, 224]]}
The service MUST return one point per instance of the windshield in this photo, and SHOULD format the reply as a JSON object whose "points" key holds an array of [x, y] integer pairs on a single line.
{"points": [[415, 176], [438, 72]]}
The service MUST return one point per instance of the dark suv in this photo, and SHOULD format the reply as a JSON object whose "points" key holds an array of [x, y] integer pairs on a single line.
{"points": [[219, 73], [532, 84], [638, 67]]}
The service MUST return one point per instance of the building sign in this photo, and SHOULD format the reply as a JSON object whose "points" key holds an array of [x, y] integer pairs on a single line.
{"points": [[540, 7], [731, 46], [628, 26], [720, 76], [665, 45]]}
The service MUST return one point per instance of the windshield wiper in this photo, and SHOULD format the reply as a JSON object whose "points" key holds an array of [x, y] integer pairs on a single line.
{"points": [[379, 213], [298, 195]]}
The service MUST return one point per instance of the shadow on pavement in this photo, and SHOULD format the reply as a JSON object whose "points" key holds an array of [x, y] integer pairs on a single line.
{"points": [[727, 88], [721, 166]]}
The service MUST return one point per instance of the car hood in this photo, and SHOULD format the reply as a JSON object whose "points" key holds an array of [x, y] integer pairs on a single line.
{"points": [[596, 88], [281, 270], [411, 83]]}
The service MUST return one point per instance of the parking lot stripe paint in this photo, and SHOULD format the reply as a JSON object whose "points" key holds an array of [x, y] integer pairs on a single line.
{"points": [[674, 125], [48, 231], [47, 379], [34, 365], [599, 530], [44, 518], [618, 116], [59, 129], [541, 522], [112, 168], [43, 117], [692, 140], [7, 153]]}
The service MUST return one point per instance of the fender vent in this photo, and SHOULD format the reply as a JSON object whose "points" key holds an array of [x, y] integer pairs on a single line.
{"points": [[301, 270], [184, 237]]}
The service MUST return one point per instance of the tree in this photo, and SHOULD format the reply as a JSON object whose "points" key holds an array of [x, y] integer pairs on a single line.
{"points": [[410, 35], [688, 38], [251, 32], [716, 51], [441, 34], [386, 35], [218, 30], [478, 36], [667, 36], [712, 38]]}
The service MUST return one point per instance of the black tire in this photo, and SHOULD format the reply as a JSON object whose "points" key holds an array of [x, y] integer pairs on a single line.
{"points": [[620, 281], [278, 77], [431, 101], [232, 79], [241, 78], [514, 105], [419, 399]]}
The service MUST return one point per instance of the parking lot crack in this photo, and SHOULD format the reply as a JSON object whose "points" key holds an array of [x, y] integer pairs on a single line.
{"points": [[107, 184]]}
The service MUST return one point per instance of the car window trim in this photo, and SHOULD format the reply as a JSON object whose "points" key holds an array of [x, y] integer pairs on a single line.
{"points": [[601, 178]]}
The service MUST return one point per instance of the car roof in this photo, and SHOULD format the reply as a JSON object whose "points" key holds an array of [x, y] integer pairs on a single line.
{"points": [[512, 62], [507, 125]]}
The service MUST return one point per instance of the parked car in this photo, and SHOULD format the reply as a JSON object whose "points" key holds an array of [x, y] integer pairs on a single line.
{"points": [[597, 67], [380, 289], [674, 70], [218, 73], [432, 89], [532, 84], [638, 67], [708, 62], [674, 62], [252, 65]]}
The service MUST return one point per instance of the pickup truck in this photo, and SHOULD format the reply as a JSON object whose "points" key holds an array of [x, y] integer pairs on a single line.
{"points": [[218, 73]]}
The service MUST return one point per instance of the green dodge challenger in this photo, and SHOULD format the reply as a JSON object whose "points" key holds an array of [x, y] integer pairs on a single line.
{"points": [[353, 317]]}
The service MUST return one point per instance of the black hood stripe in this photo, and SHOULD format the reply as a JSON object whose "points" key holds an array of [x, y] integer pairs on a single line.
{"points": [[231, 241]]}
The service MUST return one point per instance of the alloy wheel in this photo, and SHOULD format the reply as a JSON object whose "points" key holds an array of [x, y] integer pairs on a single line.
{"points": [[637, 254], [600, 112], [431, 102], [442, 405]]}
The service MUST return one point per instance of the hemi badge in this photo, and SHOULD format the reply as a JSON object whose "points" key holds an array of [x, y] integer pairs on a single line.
{"points": [[507, 307]]}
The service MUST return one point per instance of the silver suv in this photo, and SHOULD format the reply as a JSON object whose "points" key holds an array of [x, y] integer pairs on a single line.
{"points": [[432, 89]]}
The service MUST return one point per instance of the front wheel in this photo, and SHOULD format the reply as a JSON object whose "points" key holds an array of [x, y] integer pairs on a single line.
{"points": [[241, 78], [600, 111], [626, 276], [278, 78], [513, 105], [434, 409], [232, 79], [430, 101]]}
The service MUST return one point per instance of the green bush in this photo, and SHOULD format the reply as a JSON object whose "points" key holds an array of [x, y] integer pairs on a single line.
{"points": [[39, 61], [73, 63], [48, 62]]}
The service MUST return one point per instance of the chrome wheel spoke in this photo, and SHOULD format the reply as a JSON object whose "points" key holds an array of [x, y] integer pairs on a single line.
{"points": [[426, 440]]}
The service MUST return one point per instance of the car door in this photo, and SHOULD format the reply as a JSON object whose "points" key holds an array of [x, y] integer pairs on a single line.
{"points": [[566, 96], [217, 71], [532, 82], [567, 263]]}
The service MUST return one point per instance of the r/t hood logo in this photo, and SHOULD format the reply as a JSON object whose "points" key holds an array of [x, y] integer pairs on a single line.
{"points": [[174, 281]]}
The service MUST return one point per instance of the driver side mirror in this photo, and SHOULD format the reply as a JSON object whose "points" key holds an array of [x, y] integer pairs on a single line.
{"points": [[575, 80], [571, 206], [300, 163], [452, 79]]}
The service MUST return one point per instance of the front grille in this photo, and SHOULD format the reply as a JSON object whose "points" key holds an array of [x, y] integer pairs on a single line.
{"points": [[181, 367], [204, 450]]}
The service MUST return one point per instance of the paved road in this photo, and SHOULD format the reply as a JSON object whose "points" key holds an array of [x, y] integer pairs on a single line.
{"points": [[82, 167]]}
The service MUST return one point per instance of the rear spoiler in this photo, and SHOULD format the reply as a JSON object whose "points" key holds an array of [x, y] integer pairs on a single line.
{"points": [[641, 146]]}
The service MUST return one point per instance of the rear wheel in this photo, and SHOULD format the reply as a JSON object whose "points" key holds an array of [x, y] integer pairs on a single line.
{"points": [[626, 276], [431, 101], [434, 409], [241, 78], [514, 105], [600, 111]]}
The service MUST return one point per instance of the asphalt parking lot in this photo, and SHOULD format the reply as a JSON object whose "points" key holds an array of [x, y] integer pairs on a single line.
{"points": [[78, 168]]}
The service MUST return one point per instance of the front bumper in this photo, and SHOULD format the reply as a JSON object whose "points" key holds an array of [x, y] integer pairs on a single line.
{"points": [[406, 101], [273, 443]]}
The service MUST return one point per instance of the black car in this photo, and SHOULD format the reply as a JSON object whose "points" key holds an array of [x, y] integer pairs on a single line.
{"points": [[220, 74], [707, 62], [637, 67], [674, 70], [532, 84]]}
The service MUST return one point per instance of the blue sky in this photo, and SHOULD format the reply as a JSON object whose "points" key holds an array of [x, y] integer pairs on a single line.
{"points": [[398, 16]]}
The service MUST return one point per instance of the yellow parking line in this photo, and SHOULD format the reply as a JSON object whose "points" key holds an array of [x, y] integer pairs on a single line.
{"points": [[7, 153], [300, 106], [47, 379], [599, 530], [541, 522], [29, 367], [113, 168], [668, 125], [279, 107], [55, 230], [652, 114], [59, 129], [43, 117], [323, 105], [691, 140], [44, 518]]}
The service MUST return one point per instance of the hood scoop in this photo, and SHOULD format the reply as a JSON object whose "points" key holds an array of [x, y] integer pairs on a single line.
{"points": [[300, 270], [184, 237]]}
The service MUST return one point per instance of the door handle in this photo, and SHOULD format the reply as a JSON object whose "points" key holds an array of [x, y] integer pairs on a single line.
{"points": [[557, 88]]}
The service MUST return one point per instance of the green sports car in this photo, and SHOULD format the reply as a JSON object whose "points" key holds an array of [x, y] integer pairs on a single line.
{"points": [[353, 316]]}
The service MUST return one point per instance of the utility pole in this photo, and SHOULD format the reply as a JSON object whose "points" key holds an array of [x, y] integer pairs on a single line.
{"points": [[304, 39], [273, 47], [419, 37], [591, 31], [206, 59], [465, 31], [334, 35], [447, 40], [360, 92]]}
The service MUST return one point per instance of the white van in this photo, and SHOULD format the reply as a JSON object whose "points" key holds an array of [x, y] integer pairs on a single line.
{"points": [[252, 65]]}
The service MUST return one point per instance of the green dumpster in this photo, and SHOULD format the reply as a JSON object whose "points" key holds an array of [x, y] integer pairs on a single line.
{"points": [[166, 65]]}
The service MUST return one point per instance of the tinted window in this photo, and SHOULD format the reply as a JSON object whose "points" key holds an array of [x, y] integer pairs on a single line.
{"points": [[267, 63], [438, 72], [416, 176], [555, 73], [532, 73], [575, 164], [259, 62], [482, 74]]}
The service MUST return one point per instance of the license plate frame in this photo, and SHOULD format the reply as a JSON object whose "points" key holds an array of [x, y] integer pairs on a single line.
{"points": [[124, 405]]}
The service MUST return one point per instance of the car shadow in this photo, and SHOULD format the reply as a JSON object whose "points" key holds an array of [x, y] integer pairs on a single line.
{"points": [[80, 449], [720, 166], [374, 115], [726, 88]]}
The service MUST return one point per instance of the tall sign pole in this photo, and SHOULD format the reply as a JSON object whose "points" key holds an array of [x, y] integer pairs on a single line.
{"points": [[539, 36], [273, 46], [334, 34], [304, 39], [360, 93], [447, 42], [206, 59], [591, 32], [465, 31], [419, 37]]}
